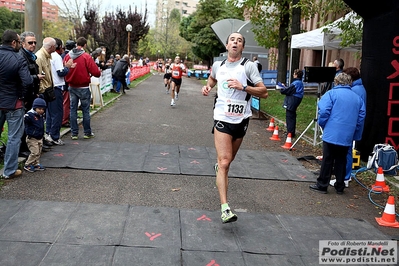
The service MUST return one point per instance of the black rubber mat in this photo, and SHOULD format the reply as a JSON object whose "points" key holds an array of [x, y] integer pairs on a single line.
{"points": [[102, 234], [173, 159]]}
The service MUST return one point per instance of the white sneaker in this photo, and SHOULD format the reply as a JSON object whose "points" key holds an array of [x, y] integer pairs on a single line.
{"points": [[176, 96], [332, 182], [48, 138], [58, 142], [172, 103]]}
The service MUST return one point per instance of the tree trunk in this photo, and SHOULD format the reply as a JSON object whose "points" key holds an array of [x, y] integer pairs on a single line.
{"points": [[283, 45], [295, 29]]}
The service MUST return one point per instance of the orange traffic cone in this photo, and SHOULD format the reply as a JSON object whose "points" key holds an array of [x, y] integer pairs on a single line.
{"points": [[388, 217], [275, 134], [287, 145], [271, 125], [380, 184]]}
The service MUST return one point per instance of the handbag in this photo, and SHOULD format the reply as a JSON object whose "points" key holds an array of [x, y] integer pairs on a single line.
{"points": [[3, 147], [49, 94]]}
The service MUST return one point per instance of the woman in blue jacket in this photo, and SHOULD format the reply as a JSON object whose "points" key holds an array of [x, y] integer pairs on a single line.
{"points": [[358, 88], [293, 97], [341, 114]]}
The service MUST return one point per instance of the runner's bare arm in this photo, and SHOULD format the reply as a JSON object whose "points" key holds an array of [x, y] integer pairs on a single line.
{"points": [[209, 85]]}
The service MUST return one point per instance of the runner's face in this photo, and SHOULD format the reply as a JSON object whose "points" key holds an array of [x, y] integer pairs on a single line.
{"points": [[235, 44], [177, 60]]}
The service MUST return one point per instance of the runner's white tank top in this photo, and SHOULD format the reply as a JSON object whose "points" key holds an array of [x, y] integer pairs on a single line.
{"points": [[231, 105]]}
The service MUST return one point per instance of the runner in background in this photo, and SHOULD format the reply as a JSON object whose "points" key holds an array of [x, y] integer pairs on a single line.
{"points": [[177, 73], [167, 75]]}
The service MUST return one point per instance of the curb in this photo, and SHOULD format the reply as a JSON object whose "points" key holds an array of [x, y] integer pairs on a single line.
{"points": [[21, 160]]}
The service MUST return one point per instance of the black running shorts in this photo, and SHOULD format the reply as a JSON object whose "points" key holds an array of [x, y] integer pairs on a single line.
{"points": [[237, 131], [176, 81]]}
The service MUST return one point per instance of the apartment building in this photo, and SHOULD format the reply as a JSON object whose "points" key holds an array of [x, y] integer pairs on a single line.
{"points": [[164, 7], [49, 12]]}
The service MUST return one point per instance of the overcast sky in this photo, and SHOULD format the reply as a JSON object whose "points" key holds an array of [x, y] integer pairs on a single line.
{"points": [[111, 5]]}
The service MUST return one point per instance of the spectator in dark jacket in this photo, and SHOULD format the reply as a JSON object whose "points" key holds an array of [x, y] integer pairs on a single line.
{"points": [[28, 42], [34, 128], [293, 98], [15, 79], [119, 73]]}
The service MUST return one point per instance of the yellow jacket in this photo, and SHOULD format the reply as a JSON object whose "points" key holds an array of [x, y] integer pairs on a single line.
{"points": [[43, 61]]}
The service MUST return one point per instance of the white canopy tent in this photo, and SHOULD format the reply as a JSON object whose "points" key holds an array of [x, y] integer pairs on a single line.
{"points": [[324, 38]]}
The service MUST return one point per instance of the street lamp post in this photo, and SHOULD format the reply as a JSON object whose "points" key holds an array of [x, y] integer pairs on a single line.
{"points": [[128, 29]]}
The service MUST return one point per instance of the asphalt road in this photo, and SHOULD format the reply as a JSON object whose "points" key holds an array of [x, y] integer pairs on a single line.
{"points": [[144, 115]]}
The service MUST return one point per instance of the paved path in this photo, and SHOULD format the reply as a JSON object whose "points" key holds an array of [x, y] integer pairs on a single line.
{"points": [[98, 215]]}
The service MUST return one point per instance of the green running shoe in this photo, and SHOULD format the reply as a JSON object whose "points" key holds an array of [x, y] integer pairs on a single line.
{"points": [[228, 216], [89, 136]]}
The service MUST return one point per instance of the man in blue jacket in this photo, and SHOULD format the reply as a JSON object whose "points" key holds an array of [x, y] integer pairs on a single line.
{"points": [[15, 80], [293, 98], [341, 115]]}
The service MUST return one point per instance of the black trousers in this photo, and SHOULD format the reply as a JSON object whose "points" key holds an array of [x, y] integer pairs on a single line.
{"points": [[334, 157], [290, 120]]}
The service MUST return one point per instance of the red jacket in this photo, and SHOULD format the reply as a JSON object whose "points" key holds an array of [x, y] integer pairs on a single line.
{"points": [[79, 77]]}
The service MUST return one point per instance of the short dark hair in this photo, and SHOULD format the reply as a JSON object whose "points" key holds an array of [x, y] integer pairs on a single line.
{"points": [[298, 73], [58, 44], [9, 36], [353, 72], [81, 41], [340, 63]]}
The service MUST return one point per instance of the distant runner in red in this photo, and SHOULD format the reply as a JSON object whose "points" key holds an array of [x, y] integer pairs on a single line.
{"points": [[177, 73]]}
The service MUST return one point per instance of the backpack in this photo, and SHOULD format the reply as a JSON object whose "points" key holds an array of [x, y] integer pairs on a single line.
{"points": [[259, 67], [383, 155]]}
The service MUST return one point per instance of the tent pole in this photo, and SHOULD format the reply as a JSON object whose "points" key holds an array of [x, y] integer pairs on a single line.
{"points": [[289, 76], [316, 127]]}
